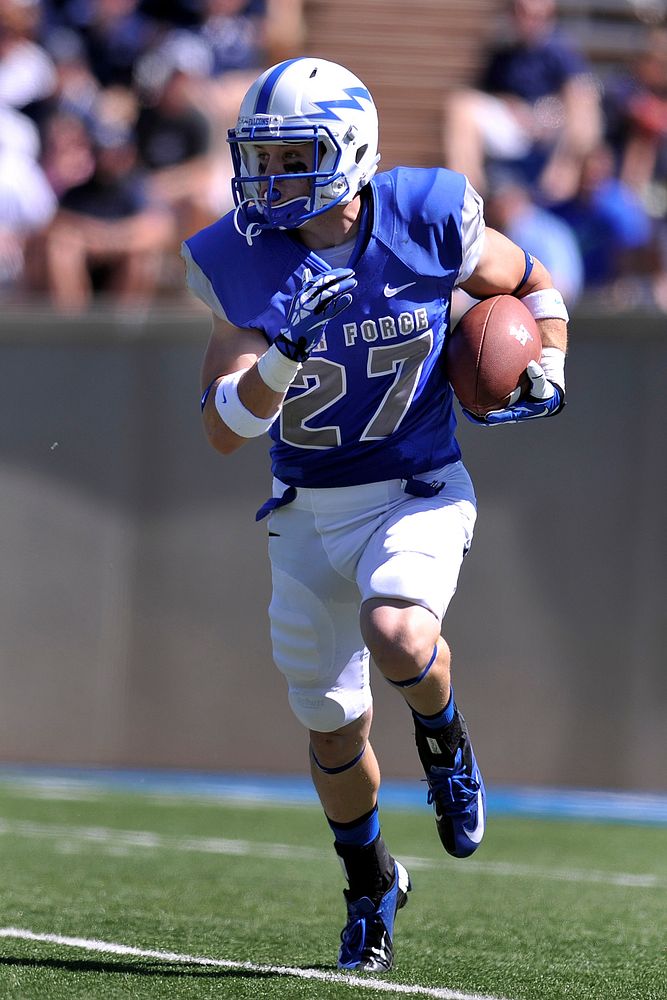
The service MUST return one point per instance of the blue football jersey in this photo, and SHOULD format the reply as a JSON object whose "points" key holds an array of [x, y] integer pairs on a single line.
{"points": [[373, 401]]}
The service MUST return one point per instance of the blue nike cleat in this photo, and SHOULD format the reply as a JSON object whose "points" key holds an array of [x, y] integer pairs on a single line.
{"points": [[366, 939], [456, 789]]}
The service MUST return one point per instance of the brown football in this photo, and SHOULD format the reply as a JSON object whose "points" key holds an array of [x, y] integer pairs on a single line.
{"points": [[488, 350]]}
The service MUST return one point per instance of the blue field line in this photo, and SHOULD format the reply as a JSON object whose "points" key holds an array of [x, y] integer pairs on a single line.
{"points": [[583, 804]]}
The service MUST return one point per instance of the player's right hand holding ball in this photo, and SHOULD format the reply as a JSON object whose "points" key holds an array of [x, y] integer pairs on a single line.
{"points": [[544, 399]]}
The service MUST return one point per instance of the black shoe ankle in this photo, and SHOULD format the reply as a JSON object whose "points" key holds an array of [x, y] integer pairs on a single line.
{"points": [[438, 747], [369, 869]]}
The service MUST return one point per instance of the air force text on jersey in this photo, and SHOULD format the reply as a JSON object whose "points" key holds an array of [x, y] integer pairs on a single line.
{"points": [[382, 328]]}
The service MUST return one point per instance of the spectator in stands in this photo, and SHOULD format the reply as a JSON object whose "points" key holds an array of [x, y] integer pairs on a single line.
{"points": [[27, 73], [240, 36], [609, 220], [636, 116], [107, 236], [115, 34], [173, 134], [510, 208], [76, 89], [233, 29], [284, 30], [127, 185], [68, 159], [537, 107], [173, 13], [243, 35], [27, 203]]}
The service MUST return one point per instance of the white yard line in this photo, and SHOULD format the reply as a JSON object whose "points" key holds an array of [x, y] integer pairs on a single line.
{"points": [[118, 841], [113, 948]]}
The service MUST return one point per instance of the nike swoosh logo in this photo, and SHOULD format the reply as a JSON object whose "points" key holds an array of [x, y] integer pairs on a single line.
{"points": [[390, 292], [477, 832]]}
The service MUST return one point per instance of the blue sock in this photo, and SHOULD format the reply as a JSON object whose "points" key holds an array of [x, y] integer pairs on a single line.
{"points": [[441, 719], [359, 832]]}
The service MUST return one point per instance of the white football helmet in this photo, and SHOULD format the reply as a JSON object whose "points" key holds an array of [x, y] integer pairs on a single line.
{"points": [[303, 100]]}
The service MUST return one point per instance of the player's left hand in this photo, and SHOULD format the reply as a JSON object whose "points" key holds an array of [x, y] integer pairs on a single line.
{"points": [[544, 399], [318, 300]]}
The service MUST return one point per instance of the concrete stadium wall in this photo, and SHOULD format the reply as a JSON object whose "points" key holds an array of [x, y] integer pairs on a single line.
{"points": [[134, 583]]}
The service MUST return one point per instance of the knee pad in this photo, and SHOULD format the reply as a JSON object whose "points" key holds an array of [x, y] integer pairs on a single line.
{"points": [[325, 712], [326, 671]]}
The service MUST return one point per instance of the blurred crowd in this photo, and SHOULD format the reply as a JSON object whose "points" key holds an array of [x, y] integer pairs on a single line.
{"points": [[571, 160], [113, 118], [114, 113]]}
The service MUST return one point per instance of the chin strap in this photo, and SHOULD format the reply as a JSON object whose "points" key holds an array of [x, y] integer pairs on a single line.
{"points": [[253, 229]]}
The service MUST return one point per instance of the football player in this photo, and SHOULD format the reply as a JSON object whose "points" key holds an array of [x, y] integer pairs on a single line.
{"points": [[330, 288]]}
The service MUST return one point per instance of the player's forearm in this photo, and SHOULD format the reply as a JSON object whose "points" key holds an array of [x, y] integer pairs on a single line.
{"points": [[257, 396], [260, 402], [237, 403], [218, 434], [553, 333]]}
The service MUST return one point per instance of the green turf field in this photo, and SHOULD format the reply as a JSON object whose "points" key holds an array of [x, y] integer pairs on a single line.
{"points": [[546, 910]]}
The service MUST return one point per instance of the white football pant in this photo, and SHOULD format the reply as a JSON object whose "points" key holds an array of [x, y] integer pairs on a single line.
{"points": [[332, 549]]}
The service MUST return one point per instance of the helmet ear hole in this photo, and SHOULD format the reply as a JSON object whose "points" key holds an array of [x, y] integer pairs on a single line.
{"points": [[361, 152]]}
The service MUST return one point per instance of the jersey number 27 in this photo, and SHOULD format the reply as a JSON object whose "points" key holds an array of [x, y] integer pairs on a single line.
{"points": [[325, 383]]}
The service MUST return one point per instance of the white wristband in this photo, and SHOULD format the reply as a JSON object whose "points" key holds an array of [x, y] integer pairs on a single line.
{"points": [[277, 371], [552, 362], [237, 416], [547, 303]]}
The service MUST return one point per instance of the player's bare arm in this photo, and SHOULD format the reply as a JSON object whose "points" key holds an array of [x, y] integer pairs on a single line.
{"points": [[231, 349], [248, 381], [500, 270]]}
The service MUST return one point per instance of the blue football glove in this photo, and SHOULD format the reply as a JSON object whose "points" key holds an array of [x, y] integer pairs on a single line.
{"points": [[317, 301], [545, 399]]}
